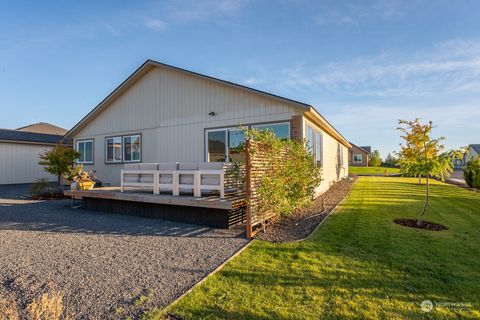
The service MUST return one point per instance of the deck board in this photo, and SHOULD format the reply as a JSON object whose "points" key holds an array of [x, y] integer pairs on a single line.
{"points": [[230, 202]]}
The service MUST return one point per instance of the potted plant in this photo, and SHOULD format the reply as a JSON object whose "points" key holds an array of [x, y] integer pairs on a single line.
{"points": [[81, 178]]}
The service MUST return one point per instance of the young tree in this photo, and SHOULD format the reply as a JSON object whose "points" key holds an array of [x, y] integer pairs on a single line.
{"points": [[375, 159], [390, 160], [59, 160], [422, 155]]}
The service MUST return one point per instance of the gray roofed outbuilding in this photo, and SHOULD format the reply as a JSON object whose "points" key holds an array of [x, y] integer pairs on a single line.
{"points": [[32, 137]]}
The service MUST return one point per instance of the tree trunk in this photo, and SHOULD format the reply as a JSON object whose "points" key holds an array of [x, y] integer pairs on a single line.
{"points": [[420, 219], [420, 179]]}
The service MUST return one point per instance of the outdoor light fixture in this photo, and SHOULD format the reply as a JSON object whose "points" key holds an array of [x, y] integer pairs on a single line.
{"points": [[211, 113]]}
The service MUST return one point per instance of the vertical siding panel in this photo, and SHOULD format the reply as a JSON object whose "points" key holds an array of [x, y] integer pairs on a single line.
{"points": [[170, 109], [19, 163]]}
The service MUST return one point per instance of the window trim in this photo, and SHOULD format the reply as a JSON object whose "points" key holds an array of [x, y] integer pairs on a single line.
{"points": [[357, 154], [122, 161], [77, 142], [123, 148], [248, 125], [315, 133], [319, 133], [252, 126]]}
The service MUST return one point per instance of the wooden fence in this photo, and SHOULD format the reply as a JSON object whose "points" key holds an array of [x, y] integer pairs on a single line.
{"points": [[258, 163]]}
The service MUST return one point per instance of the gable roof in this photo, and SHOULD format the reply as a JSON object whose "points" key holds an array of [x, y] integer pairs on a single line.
{"points": [[367, 150], [476, 147], [43, 127], [8, 135], [150, 64]]}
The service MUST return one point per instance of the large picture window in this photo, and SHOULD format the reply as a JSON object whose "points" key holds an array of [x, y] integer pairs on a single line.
{"points": [[126, 148], [224, 145], [85, 148], [281, 130], [357, 158]]}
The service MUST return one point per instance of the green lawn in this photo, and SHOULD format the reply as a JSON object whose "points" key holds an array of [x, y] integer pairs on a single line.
{"points": [[373, 170], [358, 264]]}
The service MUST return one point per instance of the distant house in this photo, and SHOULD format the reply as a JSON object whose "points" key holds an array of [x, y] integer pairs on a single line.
{"points": [[43, 127], [162, 113], [473, 152], [19, 151], [358, 156]]}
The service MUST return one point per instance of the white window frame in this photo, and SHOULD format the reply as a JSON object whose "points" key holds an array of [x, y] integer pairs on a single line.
{"points": [[77, 149], [319, 134], [225, 131], [123, 147], [316, 135], [106, 150], [356, 161]]}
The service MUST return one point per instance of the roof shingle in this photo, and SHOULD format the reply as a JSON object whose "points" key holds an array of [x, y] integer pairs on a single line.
{"points": [[23, 136]]}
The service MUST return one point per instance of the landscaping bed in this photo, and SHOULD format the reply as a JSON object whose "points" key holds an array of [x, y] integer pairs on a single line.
{"points": [[303, 222], [412, 223]]}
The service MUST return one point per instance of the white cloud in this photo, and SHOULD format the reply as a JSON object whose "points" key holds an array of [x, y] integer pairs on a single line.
{"points": [[251, 81], [356, 13], [187, 11], [448, 68], [376, 124], [154, 23]]}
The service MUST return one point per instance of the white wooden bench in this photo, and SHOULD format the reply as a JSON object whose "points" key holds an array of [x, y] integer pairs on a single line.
{"points": [[210, 176], [175, 177], [142, 175]]}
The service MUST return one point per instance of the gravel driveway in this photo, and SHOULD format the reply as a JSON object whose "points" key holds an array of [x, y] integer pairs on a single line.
{"points": [[102, 262]]}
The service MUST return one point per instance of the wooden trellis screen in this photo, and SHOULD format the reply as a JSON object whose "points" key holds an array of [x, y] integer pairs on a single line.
{"points": [[257, 164]]}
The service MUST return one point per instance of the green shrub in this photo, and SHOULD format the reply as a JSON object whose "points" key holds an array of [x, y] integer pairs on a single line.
{"points": [[471, 173], [43, 189], [58, 160], [290, 179]]}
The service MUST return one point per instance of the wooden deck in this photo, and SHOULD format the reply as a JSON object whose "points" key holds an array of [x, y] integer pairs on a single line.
{"points": [[231, 201], [208, 210]]}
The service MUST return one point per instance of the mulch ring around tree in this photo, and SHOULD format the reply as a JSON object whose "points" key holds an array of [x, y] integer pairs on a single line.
{"points": [[304, 221], [412, 223]]}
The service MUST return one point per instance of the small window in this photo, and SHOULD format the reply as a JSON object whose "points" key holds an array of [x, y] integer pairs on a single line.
{"points": [[357, 158], [340, 154], [318, 148], [85, 148], [114, 149], [281, 130], [310, 139], [132, 148]]}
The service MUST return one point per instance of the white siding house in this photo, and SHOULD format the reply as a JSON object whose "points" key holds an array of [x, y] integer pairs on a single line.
{"points": [[19, 155], [166, 114]]}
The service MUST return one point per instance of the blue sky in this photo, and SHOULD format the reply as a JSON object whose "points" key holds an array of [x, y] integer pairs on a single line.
{"points": [[363, 64]]}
